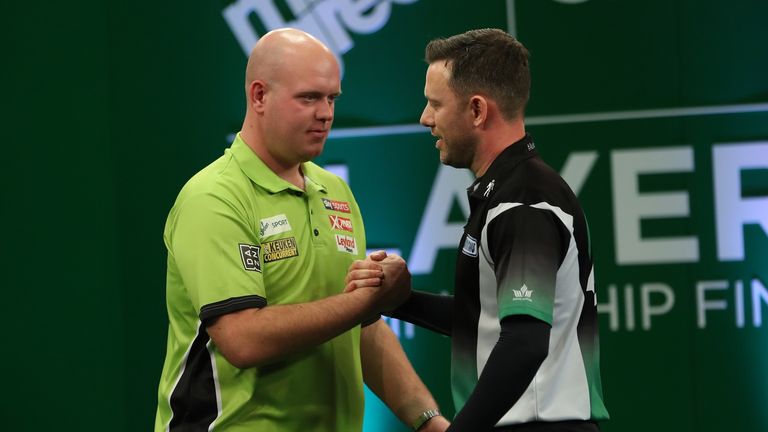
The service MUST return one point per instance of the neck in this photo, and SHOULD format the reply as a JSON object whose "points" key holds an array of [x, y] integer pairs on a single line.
{"points": [[493, 142], [288, 171]]}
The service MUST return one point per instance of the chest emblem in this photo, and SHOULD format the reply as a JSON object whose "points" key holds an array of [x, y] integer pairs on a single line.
{"points": [[340, 223], [274, 225], [346, 244], [339, 206], [470, 246], [276, 250]]}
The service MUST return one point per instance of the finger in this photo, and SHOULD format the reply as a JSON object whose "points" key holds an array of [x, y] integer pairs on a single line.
{"points": [[360, 264], [378, 255], [355, 274], [362, 283], [393, 259], [363, 274]]}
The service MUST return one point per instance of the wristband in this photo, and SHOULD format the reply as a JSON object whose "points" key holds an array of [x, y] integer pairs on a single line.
{"points": [[424, 417]]}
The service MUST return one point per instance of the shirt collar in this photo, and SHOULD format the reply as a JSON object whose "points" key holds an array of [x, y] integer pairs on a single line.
{"points": [[520, 150], [262, 175]]}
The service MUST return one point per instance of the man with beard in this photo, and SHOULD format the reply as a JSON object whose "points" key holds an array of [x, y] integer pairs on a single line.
{"points": [[523, 317]]}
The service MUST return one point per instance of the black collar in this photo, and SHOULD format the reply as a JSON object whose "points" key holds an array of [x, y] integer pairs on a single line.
{"points": [[515, 153]]}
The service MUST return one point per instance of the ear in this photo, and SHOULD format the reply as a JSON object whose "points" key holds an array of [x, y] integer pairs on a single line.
{"points": [[257, 92], [478, 106]]}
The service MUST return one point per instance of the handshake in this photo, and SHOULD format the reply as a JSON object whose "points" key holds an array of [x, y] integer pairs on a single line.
{"points": [[385, 278]]}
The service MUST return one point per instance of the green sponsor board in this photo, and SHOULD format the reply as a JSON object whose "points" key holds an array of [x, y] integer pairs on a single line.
{"points": [[656, 113]]}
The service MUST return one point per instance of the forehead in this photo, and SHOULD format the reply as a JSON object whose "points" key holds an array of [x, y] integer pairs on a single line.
{"points": [[303, 74], [437, 79]]}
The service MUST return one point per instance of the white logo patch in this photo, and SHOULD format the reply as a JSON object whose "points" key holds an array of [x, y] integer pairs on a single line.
{"points": [[274, 225], [470, 246], [346, 244], [523, 294]]}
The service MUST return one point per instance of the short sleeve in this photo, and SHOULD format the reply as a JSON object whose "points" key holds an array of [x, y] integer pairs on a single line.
{"points": [[526, 247], [217, 255]]}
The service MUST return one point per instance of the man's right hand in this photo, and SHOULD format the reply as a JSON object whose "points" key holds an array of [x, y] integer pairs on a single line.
{"points": [[394, 285]]}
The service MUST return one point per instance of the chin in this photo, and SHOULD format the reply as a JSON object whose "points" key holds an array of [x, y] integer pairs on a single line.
{"points": [[308, 156]]}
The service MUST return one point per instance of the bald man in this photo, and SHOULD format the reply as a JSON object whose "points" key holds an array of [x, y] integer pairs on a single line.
{"points": [[263, 335]]}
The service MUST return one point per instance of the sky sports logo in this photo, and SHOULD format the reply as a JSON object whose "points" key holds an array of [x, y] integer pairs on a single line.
{"points": [[339, 206], [339, 223]]}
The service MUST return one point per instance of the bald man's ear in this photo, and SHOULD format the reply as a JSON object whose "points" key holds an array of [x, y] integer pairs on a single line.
{"points": [[257, 91], [479, 107]]}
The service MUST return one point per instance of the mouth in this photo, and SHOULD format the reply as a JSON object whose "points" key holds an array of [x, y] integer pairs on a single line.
{"points": [[439, 139]]}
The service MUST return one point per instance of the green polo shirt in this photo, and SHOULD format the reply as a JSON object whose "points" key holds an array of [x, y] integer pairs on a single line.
{"points": [[239, 236]]}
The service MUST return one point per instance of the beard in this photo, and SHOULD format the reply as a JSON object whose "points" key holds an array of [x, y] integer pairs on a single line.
{"points": [[459, 151]]}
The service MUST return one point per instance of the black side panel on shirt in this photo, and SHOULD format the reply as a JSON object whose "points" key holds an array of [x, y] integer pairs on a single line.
{"points": [[193, 401], [586, 330]]}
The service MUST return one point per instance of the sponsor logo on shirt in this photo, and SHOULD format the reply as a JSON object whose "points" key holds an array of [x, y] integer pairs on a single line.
{"points": [[250, 256], [279, 249], [274, 225], [340, 223], [470, 246], [339, 206], [489, 188], [346, 244], [523, 294]]}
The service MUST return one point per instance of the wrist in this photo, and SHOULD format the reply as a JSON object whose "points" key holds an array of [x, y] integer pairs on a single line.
{"points": [[424, 417]]}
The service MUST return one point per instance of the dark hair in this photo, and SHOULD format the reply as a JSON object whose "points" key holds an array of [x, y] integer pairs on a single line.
{"points": [[486, 61]]}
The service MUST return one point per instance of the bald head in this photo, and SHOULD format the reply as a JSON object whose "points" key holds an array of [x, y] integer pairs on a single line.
{"points": [[292, 81], [281, 50]]}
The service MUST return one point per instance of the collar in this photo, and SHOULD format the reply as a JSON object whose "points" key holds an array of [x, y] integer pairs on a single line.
{"points": [[520, 150], [262, 175]]}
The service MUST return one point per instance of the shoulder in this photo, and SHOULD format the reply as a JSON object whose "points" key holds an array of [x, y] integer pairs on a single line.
{"points": [[221, 185], [531, 182]]}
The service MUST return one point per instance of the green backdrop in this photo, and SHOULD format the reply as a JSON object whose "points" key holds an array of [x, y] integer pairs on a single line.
{"points": [[655, 111]]}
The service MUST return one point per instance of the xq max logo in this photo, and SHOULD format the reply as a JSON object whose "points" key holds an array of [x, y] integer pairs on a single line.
{"points": [[327, 20]]}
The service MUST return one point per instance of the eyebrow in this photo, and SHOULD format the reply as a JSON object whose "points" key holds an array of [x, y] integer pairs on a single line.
{"points": [[315, 93]]}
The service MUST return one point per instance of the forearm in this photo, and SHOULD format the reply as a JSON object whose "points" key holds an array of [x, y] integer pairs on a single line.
{"points": [[514, 361], [253, 337], [431, 311], [389, 374]]}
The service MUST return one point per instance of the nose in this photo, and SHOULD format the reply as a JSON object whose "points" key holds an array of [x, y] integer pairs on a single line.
{"points": [[324, 111], [427, 117]]}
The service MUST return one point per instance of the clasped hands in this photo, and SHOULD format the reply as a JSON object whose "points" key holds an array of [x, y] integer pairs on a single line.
{"points": [[386, 277]]}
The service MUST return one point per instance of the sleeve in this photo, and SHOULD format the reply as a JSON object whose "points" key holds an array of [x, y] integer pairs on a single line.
{"points": [[217, 255], [431, 311], [526, 245], [522, 347]]}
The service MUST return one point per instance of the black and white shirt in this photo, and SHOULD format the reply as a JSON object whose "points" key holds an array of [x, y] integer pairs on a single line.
{"points": [[526, 251]]}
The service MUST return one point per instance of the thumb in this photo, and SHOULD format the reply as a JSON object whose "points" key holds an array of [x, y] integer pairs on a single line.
{"points": [[378, 255]]}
